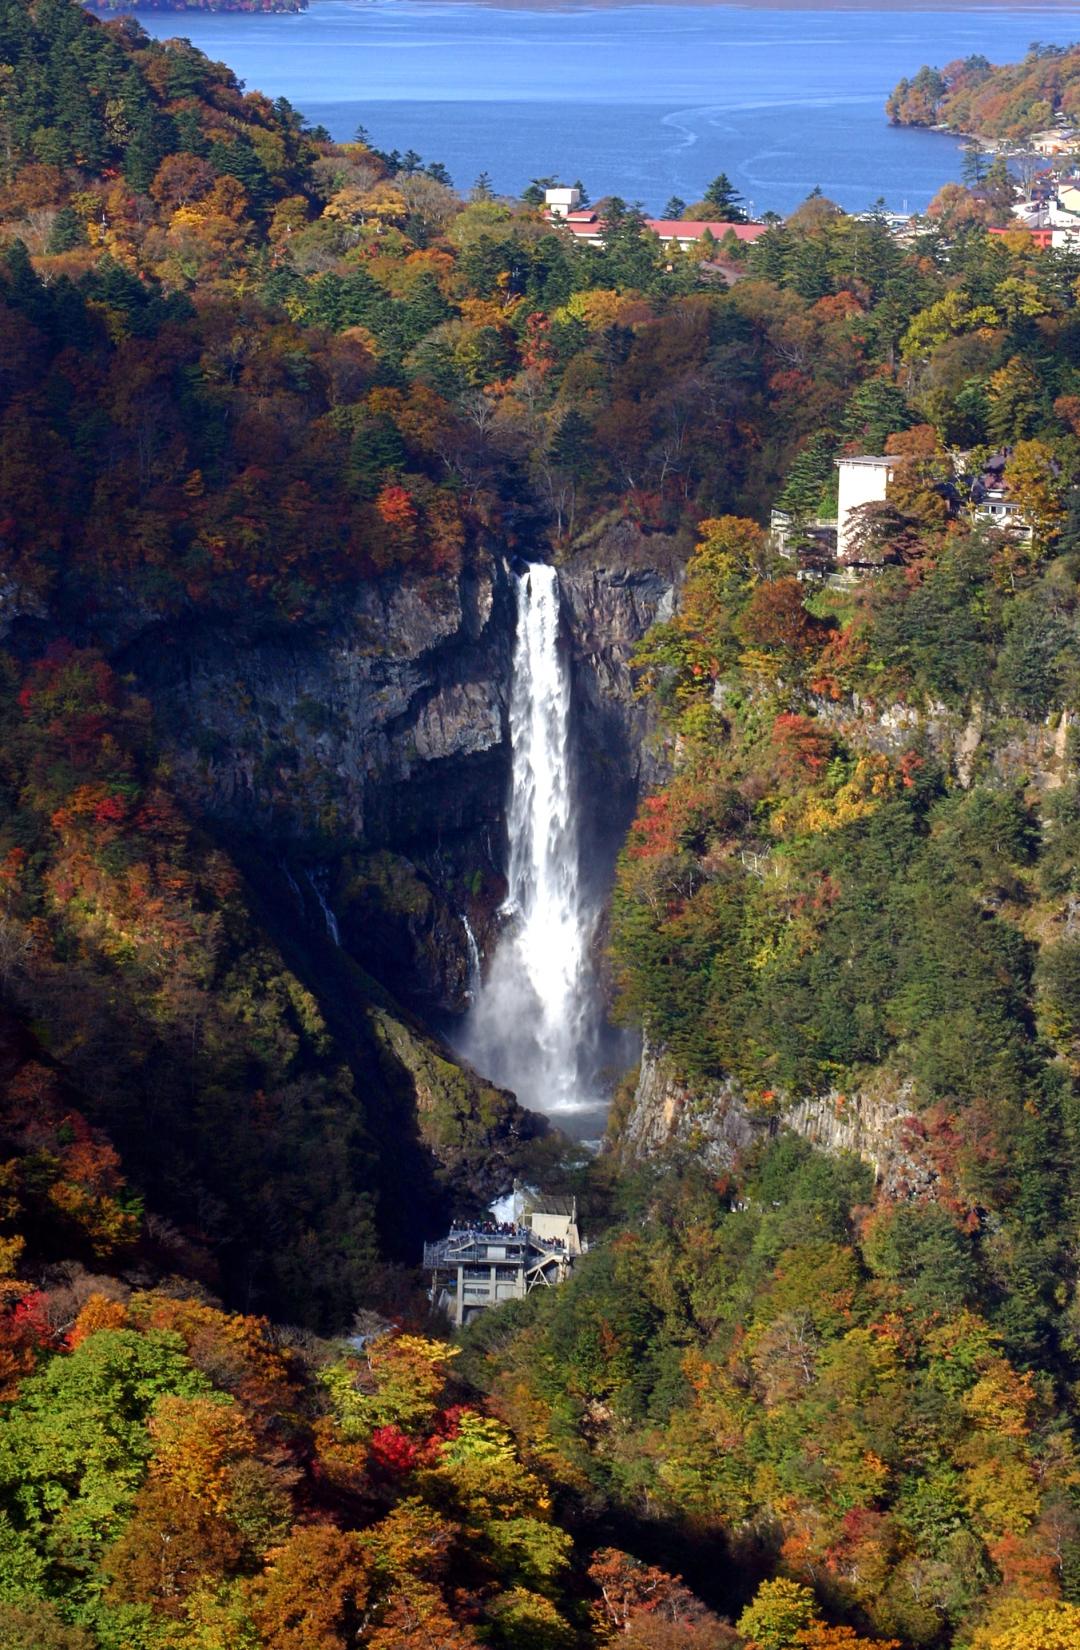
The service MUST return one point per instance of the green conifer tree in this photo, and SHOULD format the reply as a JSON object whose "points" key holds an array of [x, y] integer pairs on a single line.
{"points": [[725, 200]]}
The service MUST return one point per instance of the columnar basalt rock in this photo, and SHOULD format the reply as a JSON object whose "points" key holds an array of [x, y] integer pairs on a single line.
{"points": [[875, 1121]]}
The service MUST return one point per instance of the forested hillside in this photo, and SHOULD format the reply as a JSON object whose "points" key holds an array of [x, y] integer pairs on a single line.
{"points": [[972, 95], [178, 1476], [246, 374], [852, 908], [301, 398]]}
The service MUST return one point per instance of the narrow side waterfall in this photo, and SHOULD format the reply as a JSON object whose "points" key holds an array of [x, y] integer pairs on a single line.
{"points": [[316, 881], [475, 964], [530, 1028]]}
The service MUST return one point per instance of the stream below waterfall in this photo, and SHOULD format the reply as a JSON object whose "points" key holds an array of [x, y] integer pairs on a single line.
{"points": [[534, 1024]]}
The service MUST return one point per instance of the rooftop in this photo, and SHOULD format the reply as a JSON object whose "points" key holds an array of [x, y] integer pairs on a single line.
{"points": [[546, 1203], [587, 225], [518, 1247], [692, 229]]}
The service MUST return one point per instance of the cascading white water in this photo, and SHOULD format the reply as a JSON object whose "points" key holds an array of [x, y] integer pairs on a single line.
{"points": [[316, 881], [473, 983], [529, 1026]]}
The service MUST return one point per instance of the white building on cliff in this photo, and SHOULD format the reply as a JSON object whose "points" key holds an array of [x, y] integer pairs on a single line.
{"points": [[863, 480]]}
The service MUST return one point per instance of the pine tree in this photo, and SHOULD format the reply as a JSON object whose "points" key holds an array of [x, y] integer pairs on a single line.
{"points": [[67, 231], [79, 124], [810, 479], [808, 270], [725, 200], [536, 191], [1069, 537], [190, 137], [239, 160], [770, 256], [571, 446], [998, 189], [974, 167], [631, 257], [1013, 402], [876, 411], [143, 151]]}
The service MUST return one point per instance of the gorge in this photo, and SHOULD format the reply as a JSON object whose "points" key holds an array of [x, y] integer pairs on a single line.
{"points": [[359, 771], [395, 661], [491, 762]]}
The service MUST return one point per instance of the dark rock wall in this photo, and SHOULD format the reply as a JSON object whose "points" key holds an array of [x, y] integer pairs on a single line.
{"points": [[388, 727], [608, 609]]}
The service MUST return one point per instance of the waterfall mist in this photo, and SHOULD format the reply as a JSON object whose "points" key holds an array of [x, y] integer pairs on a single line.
{"points": [[532, 1027]]}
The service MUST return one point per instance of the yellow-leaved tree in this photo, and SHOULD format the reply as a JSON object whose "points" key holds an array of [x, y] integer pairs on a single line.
{"points": [[1030, 1624]]}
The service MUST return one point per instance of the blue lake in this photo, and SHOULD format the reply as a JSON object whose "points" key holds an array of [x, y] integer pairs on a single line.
{"points": [[640, 101]]}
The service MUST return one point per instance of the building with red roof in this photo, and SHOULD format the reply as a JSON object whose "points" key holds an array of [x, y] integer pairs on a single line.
{"points": [[688, 231], [563, 206]]}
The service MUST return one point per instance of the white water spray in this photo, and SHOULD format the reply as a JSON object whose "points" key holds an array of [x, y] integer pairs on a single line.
{"points": [[530, 1024]]}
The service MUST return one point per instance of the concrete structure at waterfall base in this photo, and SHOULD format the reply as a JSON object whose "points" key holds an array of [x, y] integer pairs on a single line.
{"points": [[487, 1262]]}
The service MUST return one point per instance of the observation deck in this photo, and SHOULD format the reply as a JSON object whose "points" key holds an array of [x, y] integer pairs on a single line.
{"points": [[475, 1245], [480, 1264]]}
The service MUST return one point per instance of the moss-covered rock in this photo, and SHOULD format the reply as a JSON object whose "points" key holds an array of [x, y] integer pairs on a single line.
{"points": [[475, 1131]]}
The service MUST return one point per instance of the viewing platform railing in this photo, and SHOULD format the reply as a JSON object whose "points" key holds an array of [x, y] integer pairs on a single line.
{"points": [[469, 1246]]}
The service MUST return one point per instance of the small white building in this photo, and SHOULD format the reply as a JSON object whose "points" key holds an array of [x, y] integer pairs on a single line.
{"points": [[561, 202], [992, 503], [863, 480], [553, 1220], [811, 544], [1051, 215]]}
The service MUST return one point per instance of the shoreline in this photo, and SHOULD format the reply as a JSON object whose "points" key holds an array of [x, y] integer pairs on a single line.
{"points": [[1062, 8]]}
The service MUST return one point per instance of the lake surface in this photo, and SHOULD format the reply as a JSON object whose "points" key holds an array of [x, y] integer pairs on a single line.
{"points": [[640, 101]]}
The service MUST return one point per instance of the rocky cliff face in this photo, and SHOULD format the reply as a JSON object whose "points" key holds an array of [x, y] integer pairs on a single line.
{"points": [[371, 757], [1016, 751], [383, 735], [874, 1121], [359, 772], [385, 727], [609, 605]]}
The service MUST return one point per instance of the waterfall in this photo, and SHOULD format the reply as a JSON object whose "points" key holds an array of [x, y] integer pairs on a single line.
{"points": [[294, 886], [531, 1022], [316, 881], [474, 980]]}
